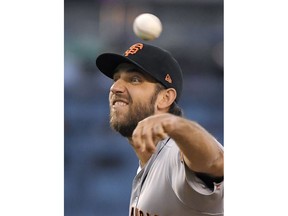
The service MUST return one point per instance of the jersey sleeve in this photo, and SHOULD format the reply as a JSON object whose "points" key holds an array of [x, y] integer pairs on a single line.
{"points": [[192, 190]]}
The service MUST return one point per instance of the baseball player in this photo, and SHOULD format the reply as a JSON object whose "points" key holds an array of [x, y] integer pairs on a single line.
{"points": [[180, 163]]}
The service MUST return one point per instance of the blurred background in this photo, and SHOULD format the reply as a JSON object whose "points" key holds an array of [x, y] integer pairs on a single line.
{"points": [[99, 163]]}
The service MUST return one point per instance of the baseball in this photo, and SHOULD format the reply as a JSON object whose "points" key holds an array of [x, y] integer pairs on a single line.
{"points": [[147, 26]]}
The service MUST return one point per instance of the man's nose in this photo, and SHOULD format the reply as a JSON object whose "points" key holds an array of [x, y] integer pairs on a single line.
{"points": [[118, 86]]}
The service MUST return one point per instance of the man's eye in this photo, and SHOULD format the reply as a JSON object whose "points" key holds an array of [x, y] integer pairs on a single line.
{"points": [[135, 79]]}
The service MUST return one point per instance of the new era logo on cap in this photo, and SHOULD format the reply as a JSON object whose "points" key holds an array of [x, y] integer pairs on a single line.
{"points": [[168, 78], [156, 62]]}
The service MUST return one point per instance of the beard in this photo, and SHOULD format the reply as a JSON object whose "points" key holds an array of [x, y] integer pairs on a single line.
{"points": [[127, 122]]}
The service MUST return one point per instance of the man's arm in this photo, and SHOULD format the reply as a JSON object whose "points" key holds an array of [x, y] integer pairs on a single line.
{"points": [[201, 151]]}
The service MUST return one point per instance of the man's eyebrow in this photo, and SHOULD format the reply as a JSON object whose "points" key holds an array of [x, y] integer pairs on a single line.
{"points": [[129, 70], [137, 70]]}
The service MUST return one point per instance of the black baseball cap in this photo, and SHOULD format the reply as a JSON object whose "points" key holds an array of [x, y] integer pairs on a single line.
{"points": [[156, 62]]}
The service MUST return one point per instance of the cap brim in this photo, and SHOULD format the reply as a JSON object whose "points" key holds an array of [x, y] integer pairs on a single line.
{"points": [[108, 62]]}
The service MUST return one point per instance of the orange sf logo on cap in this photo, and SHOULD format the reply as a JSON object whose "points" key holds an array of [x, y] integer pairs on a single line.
{"points": [[134, 49]]}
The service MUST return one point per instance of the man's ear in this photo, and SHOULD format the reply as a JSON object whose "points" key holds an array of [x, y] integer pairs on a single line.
{"points": [[166, 98]]}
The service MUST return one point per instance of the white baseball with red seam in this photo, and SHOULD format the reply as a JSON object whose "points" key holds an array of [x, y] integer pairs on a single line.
{"points": [[147, 26]]}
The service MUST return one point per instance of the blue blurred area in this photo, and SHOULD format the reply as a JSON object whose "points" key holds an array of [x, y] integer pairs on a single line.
{"points": [[99, 163]]}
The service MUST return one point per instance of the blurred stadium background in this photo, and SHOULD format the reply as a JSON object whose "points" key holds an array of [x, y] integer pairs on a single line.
{"points": [[100, 164]]}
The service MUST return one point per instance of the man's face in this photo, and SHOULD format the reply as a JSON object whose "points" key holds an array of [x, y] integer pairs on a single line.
{"points": [[132, 98]]}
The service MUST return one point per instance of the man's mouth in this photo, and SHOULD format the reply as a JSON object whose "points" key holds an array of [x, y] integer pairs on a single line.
{"points": [[119, 103]]}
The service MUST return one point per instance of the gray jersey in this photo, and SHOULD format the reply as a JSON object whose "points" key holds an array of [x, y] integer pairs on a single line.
{"points": [[166, 187]]}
